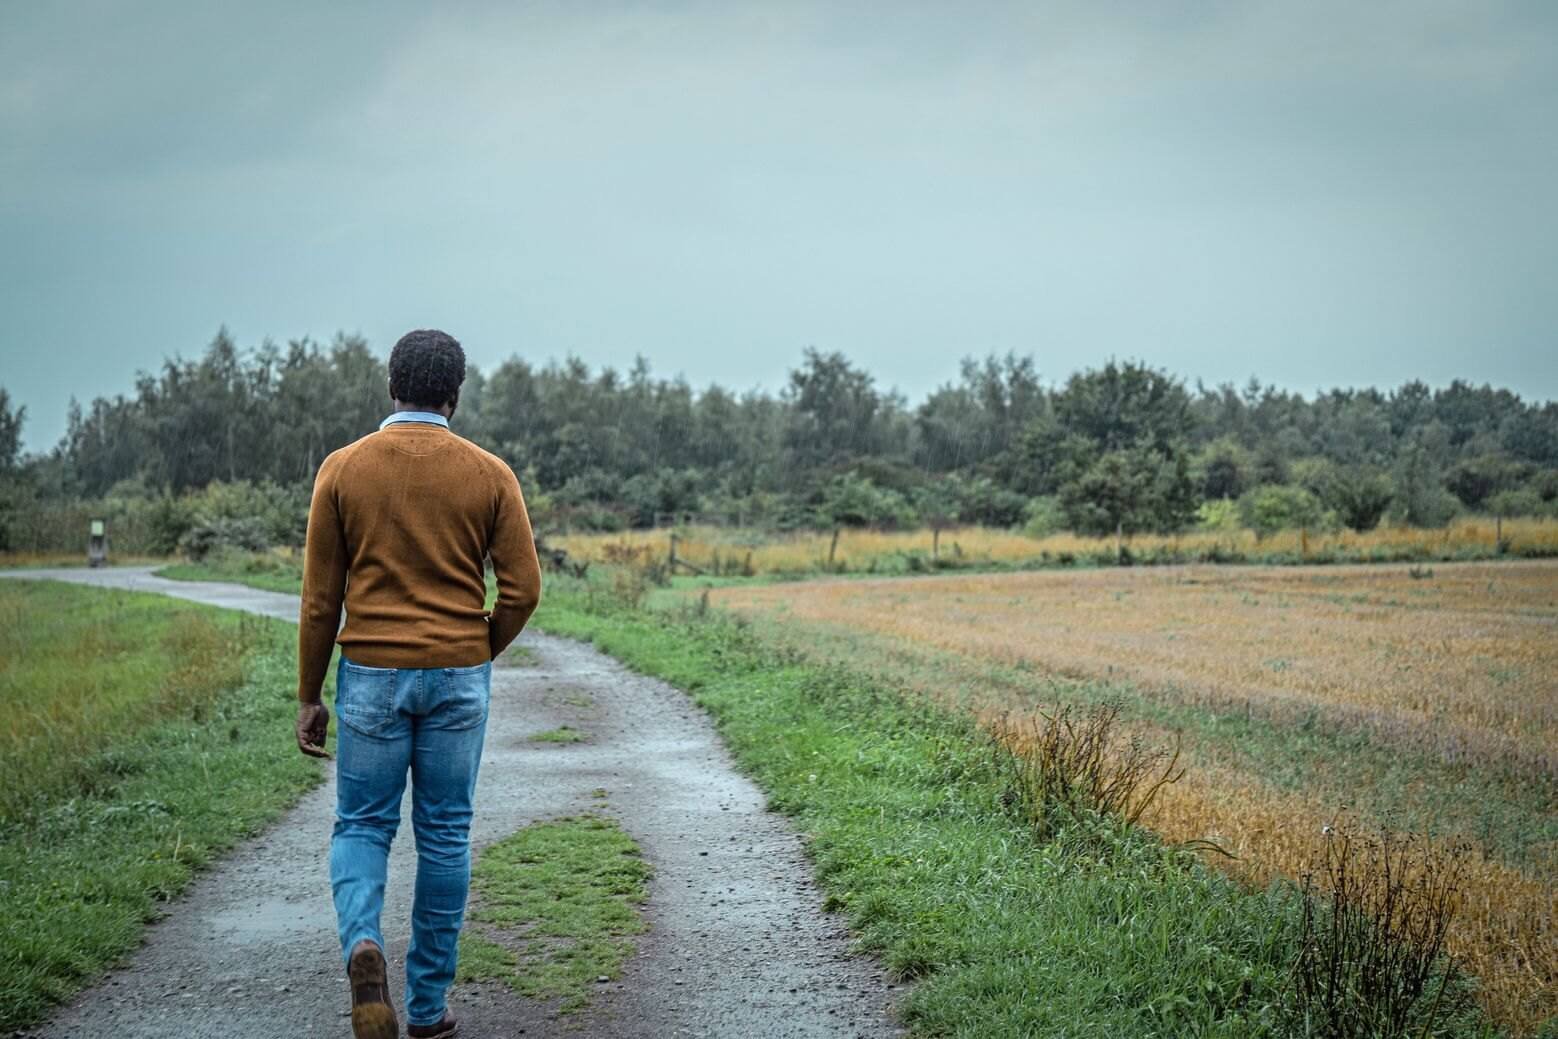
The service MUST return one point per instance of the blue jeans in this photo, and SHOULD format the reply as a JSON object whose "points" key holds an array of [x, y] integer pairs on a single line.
{"points": [[430, 721]]}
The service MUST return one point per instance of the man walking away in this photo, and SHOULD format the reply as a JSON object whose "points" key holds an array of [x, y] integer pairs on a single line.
{"points": [[400, 524]]}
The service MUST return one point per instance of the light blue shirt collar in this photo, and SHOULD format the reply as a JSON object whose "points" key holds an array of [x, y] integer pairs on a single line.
{"points": [[415, 416]]}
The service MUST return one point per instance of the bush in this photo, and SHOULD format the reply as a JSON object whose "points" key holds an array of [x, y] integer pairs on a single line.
{"points": [[12, 501], [168, 519], [1517, 503], [1358, 495], [1070, 760], [1427, 507], [1043, 517], [280, 513], [990, 505], [1275, 507], [1221, 515], [852, 501], [224, 535]]}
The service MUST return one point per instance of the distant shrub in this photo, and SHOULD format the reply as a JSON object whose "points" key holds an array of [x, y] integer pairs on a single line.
{"points": [[1359, 495], [168, 519], [224, 535], [1042, 517], [281, 512], [1274, 507], [988, 504], [1517, 503], [1221, 514]]}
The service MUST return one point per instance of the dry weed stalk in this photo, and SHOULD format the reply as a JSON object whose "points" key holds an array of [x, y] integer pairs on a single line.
{"points": [[1070, 759], [1372, 959]]}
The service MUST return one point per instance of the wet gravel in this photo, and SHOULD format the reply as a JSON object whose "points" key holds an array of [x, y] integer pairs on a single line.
{"points": [[738, 942]]}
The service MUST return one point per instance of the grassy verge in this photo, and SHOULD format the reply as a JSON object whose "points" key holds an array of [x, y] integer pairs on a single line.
{"points": [[143, 737], [1509, 813], [265, 571], [1089, 928], [554, 909]]}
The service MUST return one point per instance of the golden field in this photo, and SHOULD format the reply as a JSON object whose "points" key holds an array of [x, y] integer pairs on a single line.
{"points": [[1456, 669], [738, 550]]}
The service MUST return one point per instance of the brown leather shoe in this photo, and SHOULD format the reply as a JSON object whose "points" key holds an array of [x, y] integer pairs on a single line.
{"points": [[373, 1016], [444, 1029]]}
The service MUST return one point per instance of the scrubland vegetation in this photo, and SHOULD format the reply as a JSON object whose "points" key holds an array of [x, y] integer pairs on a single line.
{"points": [[1404, 711], [1007, 880], [725, 552], [1408, 700], [141, 737]]}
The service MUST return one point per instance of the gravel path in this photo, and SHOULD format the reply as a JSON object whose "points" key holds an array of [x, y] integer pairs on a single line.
{"points": [[738, 943]]}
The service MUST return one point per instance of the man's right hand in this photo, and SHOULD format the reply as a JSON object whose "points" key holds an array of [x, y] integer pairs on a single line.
{"points": [[312, 728]]}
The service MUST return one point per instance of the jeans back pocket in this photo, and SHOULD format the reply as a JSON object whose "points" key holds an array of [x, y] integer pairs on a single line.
{"points": [[465, 695], [365, 697]]}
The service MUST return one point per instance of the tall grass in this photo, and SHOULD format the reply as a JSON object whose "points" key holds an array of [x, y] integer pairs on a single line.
{"points": [[1068, 758], [142, 736], [743, 552], [83, 672]]}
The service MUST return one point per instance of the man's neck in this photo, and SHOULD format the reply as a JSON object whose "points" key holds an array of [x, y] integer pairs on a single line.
{"points": [[446, 410]]}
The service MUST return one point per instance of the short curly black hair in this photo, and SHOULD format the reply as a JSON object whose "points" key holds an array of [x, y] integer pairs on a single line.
{"points": [[426, 368]]}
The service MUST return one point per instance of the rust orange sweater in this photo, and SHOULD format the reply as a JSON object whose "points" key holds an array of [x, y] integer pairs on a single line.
{"points": [[400, 524]]}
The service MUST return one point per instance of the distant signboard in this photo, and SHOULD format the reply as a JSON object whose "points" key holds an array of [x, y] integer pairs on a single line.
{"points": [[98, 528]]}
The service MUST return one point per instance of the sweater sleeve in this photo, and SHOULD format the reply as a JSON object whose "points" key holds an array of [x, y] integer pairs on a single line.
{"points": [[324, 585], [514, 564]]}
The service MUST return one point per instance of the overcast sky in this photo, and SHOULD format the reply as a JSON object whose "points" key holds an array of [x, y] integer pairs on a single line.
{"points": [[1316, 193]]}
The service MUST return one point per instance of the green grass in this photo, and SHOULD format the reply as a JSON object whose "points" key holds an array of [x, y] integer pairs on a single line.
{"points": [[266, 571], [561, 734], [1094, 930], [554, 908], [144, 736]]}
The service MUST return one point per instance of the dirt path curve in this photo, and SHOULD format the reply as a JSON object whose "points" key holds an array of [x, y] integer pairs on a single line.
{"points": [[738, 943]]}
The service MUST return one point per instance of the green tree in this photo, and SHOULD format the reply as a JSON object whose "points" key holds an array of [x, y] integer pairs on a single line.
{"points": [[939, 504], [1524, 502], [11, 421], [836, 413], [1225, 469], [1110, 496], [1117, 439], [1124, 407], [1276, 507], [1473, 480], [1421, 499], [1359, 495]]}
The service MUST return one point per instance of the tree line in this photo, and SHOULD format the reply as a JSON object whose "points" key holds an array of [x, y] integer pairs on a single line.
{"points": [[1120, 448]]}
